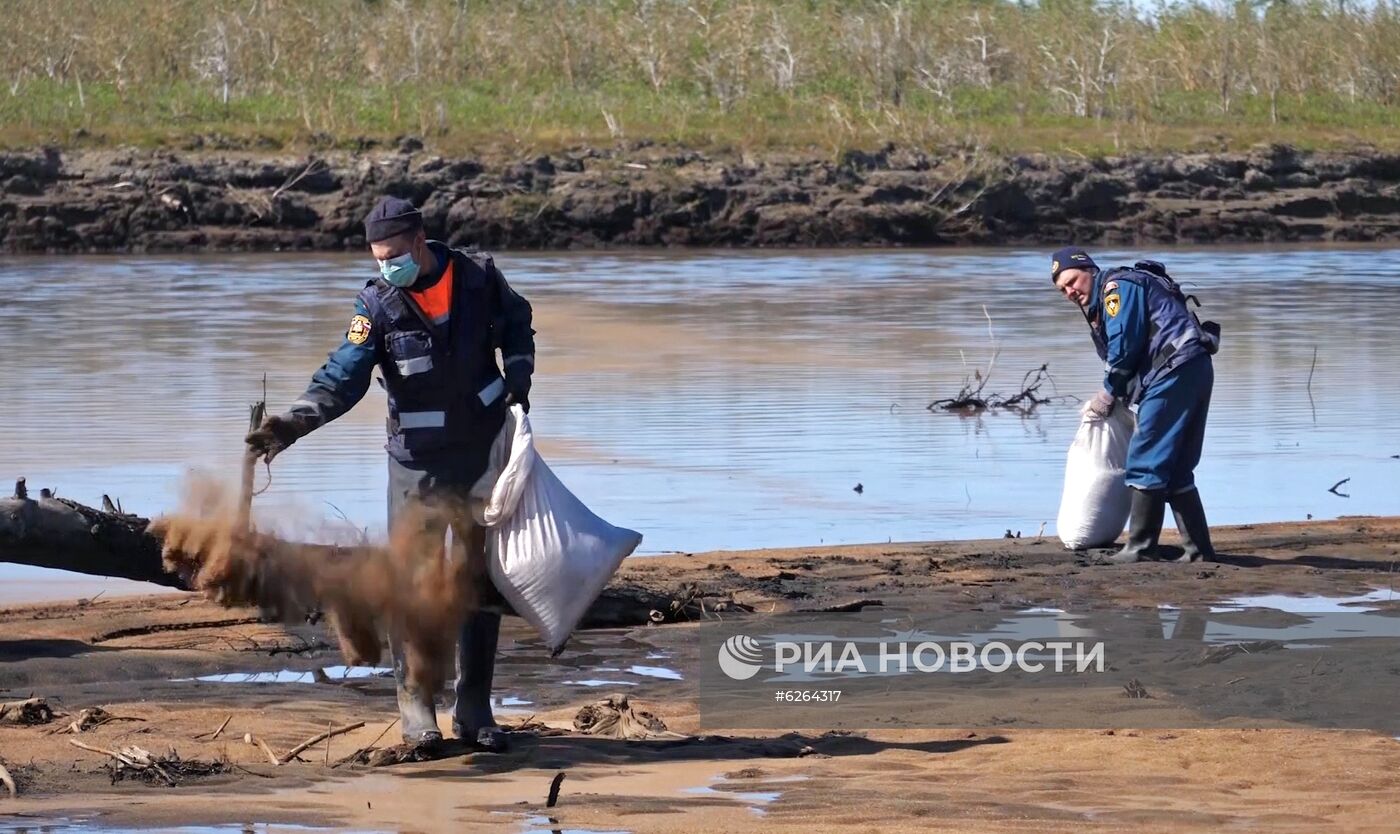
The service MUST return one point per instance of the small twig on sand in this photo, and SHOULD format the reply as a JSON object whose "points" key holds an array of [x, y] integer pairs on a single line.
{"points": [[318, 738], [91, 749], [91, 719], [252, 772], [1333, 489], [7, 781], [554, 790], [363, 750], [132, 757], [249, 738], [217, 732]]}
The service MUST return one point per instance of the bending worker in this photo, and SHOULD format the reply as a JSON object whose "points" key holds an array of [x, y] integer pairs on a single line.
{"points": [[1157, 355], [432, 323]]}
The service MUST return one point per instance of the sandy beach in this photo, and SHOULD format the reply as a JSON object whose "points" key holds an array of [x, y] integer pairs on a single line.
{"points": [[181, 667]]}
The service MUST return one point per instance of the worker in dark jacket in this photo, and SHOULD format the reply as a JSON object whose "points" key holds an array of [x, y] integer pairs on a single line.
{"points": [[432, 323], [1158, 355]]}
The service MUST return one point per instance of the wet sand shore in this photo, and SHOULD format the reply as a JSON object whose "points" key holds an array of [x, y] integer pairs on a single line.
{"points": [[143, 657]]}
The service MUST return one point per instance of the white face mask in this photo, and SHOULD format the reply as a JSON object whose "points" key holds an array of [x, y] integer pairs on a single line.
{"points": [[401, 271]]}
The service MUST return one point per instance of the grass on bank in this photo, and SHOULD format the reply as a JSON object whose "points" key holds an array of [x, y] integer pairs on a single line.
{"points": [[1060, 76], [465, 121]]}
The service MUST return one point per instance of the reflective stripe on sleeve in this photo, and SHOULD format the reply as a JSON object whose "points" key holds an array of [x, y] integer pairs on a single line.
{"points": [[490, 393]]}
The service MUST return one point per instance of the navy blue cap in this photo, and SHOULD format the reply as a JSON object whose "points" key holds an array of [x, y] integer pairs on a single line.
{"points": [[1070, 257], [391, 216]]}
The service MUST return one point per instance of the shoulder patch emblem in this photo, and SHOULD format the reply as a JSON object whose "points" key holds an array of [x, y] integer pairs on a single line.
{"points": [[1110, 287], [358, 333], [1112, 304], [1054, 267]]}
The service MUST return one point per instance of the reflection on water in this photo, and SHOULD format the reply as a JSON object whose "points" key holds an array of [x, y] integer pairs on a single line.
{"points": [[329, 674], [714, 400], [753, 800], [25, 584], [595, 682], [1311, 604], [541, 824]]}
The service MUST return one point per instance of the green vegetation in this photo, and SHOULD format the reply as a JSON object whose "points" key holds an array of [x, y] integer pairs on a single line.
{"points": [[1060, 75]]}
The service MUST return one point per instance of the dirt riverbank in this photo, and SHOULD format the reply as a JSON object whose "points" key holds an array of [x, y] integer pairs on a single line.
{"points": [[644, 195], [154, 658]]}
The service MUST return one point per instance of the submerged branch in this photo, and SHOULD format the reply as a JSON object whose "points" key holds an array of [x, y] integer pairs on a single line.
{"points": [[970, 400]]}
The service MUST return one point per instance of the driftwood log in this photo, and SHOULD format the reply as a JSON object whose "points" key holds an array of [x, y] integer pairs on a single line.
{"points": [[52, 532], [58, 533]]}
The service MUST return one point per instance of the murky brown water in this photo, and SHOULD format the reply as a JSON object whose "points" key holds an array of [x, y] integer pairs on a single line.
{"points": [[713, 400]]}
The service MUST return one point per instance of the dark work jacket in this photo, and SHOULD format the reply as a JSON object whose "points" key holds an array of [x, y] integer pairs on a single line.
{"points": [[446, 392], [1145, 331]]}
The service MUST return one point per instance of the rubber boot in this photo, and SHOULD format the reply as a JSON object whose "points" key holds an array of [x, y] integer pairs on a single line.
{"points": [[1144, 527], [476, 663], [1191, 523], [417, 713]]}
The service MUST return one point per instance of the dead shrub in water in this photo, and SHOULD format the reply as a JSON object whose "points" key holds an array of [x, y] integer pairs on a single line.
{"points": [[411, 589]]}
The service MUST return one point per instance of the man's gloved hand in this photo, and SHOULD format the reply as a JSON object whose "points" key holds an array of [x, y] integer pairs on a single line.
{"points": [[276, 433], [518, 385], [1102, 405]]}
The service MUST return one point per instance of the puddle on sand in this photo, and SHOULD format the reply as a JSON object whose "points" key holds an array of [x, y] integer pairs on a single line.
{"points": [[753, 800], [548, 825], [593, 682], [661, 672], [1310, 604], [656, 672], [327, 674], [86, 825]]}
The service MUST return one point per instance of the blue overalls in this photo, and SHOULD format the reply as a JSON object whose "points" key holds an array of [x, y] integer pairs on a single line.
{"points": [[1157, 355], [446, 406]]}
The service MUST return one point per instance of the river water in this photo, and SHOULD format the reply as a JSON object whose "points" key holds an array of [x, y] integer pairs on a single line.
{"points": [[713, 399]]}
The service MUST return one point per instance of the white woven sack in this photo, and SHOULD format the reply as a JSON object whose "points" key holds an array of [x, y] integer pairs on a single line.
{"points": [[549, 555], [1096, 501]]}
